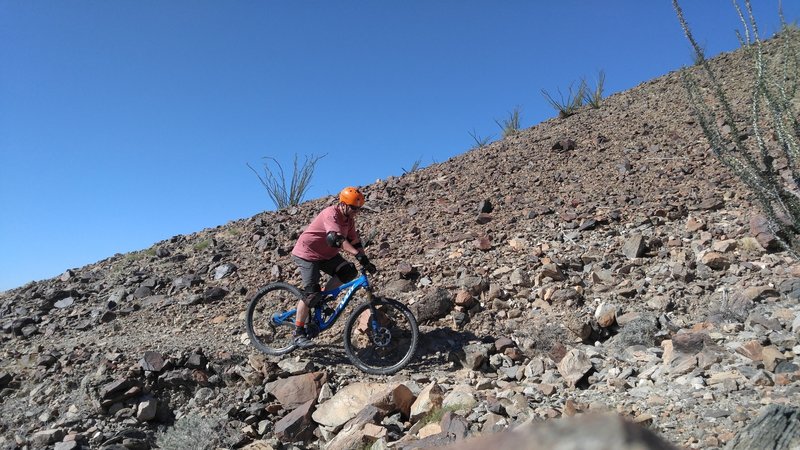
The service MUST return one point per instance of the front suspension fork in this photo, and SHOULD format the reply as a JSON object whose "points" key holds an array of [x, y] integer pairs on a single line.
{"points": [[373, 321]]}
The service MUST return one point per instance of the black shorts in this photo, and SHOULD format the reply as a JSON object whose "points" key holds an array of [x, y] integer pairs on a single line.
{"points": [[336, 266]]}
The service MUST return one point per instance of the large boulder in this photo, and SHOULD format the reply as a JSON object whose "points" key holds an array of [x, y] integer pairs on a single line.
{"points": [[777, 428], [434, 305], [297, 390], [297, 425], [346, 404]]}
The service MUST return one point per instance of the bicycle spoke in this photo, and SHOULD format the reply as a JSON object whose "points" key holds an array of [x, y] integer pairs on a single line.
{"points": [[387, 348], [379, 337], [269, 328]]}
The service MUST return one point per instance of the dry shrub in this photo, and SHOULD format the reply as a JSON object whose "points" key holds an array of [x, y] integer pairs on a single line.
{"points": [[549, 336], [191, 431], [639, 331]]}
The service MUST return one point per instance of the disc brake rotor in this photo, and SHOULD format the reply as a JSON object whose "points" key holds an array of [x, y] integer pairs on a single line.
{"points": [[382, 337]]}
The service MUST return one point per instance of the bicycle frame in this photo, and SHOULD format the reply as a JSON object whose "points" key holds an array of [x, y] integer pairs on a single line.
{"points": [[351, 287], [382, 347]]}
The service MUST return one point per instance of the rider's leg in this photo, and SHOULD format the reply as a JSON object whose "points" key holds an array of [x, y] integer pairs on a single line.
{"points": [[345, 271], [333, 283], [304, 305], [302, 313], [309, 271], [301, 339], [301, 318]]}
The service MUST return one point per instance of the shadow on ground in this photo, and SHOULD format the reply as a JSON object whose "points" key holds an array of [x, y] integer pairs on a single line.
{"points": [[438, 349]]}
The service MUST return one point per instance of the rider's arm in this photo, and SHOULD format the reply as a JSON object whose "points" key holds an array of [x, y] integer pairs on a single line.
{"points": [[353, 248], [353, 241], [335, 239]]}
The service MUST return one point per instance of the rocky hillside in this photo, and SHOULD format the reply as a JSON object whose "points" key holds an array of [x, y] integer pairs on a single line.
{"points": [[601, 263]]}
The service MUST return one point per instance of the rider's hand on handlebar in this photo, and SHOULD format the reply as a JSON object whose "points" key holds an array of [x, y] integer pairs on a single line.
{"points": [[364, 261]]}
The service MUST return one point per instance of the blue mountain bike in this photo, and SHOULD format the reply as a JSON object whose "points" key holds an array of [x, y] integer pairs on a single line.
{"points": [[380, 335]]}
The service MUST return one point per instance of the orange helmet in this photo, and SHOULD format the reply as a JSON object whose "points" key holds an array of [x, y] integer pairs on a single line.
{"points": [[351, 196]]}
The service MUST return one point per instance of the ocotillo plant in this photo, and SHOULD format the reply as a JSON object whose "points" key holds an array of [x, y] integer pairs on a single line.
{"points": [[773, 123]]}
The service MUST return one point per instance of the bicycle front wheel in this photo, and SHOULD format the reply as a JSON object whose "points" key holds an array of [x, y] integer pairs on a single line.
{"points": [[383, 342], [270, 318]]}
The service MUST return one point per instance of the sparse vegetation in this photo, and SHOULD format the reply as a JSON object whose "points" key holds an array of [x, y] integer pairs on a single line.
{"points": [[275, 181], [435, 415], [229, 233], [414, 167], [750, 245], [729, 309], [202, 245], [698, 57], [511, 125], [548, 337], [138, 255], [773, 123], [190, 432], [567, 106], [640, 331], [480, 141], [131, 257], [594, 97], [367, 443]]}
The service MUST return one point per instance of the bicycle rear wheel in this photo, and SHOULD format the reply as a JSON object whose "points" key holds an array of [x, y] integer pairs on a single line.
{"points": [[270, 318], [389, 347]]}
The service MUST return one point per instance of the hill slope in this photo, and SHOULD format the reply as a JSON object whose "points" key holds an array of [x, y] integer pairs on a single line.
{"points": [[601, 262]]}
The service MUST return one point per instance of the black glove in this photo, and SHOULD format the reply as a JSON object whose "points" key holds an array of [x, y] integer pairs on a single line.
{"points": [[364, 261]]}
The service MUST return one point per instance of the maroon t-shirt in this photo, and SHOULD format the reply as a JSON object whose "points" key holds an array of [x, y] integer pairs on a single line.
{"points": [[312, 245]]}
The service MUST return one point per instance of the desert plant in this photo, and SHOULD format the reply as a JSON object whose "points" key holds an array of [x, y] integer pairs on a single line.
{"points": [[435, 415], [138, 255], [697, 57], [414, 167], [730, 309], [511, 125], [190, 431], [750, 245], [772, 114], [548, 337], [594, 97], [569, 105], [639, 331], [275, 182], [480, 141], [366, 443], [202, 245]]}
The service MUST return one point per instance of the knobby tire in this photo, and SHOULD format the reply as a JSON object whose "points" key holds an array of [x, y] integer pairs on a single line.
{"points": [[274, 298], [398, 329]]}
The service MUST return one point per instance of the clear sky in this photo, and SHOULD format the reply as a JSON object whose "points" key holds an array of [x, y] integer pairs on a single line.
{"points": [[123, 123]]}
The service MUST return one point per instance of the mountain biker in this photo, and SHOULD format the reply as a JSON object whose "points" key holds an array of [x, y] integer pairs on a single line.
{"points": [[318, 247]]}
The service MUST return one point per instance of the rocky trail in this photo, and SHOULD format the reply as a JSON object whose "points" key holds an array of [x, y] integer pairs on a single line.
{"points": [[596, 281]]}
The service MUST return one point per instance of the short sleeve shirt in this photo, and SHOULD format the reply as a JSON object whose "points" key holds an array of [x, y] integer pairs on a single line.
{"points": [[312, 244]]}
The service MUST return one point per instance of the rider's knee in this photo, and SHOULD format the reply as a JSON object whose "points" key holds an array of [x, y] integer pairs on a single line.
{"points": [[312, 296], [347, 272]]}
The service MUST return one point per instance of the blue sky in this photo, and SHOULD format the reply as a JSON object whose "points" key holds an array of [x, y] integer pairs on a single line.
{"points": [[123, 123]]}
